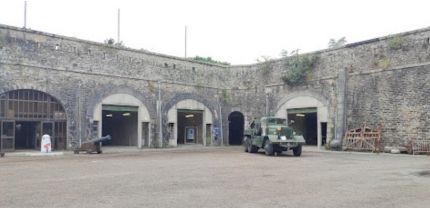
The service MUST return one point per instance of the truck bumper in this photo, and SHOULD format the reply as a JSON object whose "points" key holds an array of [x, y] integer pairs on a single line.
{"points": [[284, 146]]}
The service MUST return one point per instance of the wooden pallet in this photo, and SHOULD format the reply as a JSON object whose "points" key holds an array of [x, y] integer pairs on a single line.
{"points": [[363, 139]]}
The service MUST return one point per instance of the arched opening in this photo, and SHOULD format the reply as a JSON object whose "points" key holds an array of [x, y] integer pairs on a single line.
{"points": [[26, 115], [235, 128], [308, 117], [190, 122], [125, 118]]}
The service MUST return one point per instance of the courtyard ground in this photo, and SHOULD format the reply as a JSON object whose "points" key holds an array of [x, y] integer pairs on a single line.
{"points": [[215, 177]]}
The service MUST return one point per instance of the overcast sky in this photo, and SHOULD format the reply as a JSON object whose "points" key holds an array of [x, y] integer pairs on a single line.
{"points": [[236, 31]]}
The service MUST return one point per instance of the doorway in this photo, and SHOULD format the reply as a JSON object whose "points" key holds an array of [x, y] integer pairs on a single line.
{"points": [[323, 133], [121, 123], [26, 134], [190, 127], [304, 122], [235, 128]]}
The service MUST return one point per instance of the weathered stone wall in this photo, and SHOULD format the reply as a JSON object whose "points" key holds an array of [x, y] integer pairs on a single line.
{"points": [[80, 74], [386, 82], [397, 99]]}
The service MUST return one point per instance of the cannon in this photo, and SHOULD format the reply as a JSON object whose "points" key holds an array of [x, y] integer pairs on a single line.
{"points": [[93, 145]]}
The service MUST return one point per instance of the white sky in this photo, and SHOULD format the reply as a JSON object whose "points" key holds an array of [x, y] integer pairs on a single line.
{"points": [[236, 31]]}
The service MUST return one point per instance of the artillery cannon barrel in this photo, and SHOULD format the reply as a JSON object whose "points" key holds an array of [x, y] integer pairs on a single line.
{"points": [[102, 139]]}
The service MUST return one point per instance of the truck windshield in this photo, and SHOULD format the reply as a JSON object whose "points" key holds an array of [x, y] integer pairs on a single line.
{"points": [[276, 121]]}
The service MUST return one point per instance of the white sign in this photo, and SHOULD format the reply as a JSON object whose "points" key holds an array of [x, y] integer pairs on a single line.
{"points": [[46, 144]]}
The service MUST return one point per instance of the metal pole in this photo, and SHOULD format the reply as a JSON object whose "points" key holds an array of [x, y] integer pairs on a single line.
{"points": [[221, 126], [185, 41], [119, 22], [267, 104], [79, 115], [25, 14], [160, 122]]}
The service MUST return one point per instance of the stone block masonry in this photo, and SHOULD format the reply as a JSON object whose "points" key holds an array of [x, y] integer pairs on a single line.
{"points": [[380, 81]]}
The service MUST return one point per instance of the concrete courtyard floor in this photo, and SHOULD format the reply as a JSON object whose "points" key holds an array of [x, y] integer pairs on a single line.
{"points": [[215, 177]]}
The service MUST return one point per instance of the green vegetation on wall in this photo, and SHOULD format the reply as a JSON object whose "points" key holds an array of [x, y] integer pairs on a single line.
{"points": [[265, 65], [225, 96], [299, 68], [383, 63], [210, 60], [112, 42], [395, 42], [332, 43]]}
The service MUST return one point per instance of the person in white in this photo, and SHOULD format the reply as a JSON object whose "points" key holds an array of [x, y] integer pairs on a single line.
{"points": [[46, 144]]}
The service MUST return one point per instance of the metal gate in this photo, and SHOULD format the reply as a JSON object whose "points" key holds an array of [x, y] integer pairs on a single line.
{"points": [[7, 135]]}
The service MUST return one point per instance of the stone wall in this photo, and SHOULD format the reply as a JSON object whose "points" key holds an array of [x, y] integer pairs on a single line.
{"points": [[385, 82]]}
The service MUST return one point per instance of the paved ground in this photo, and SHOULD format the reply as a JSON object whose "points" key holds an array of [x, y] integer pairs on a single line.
{"points": [[215, 177]]}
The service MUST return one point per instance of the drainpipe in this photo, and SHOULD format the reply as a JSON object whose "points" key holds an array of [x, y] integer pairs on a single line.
{"points": [[267, 92], [340, 117], [79, 115], [160, 121], [220, 118]]}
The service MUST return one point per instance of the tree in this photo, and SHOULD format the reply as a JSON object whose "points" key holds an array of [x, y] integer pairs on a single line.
{"points": [[332, 43]]}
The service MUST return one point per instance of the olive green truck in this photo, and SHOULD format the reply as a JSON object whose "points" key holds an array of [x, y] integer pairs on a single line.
{"points": [[273, 135]]}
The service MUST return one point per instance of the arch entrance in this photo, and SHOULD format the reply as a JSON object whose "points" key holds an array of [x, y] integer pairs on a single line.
{"points": [[190, 122], [235, 128], [307, 116], [26, 115], [125, 118]]}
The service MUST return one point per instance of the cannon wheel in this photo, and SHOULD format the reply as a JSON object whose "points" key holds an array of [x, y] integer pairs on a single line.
{"points": [[76, 152]]}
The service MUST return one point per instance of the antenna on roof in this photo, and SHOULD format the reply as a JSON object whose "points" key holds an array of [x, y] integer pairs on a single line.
{"points": [[118, 37], [185, 41], [25, 14]]}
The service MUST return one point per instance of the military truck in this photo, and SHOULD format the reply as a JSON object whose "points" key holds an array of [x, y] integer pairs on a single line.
{"points": [[273, 135]]}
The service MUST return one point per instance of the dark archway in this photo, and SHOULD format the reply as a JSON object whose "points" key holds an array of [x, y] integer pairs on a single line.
{"points": [[235, 128]]}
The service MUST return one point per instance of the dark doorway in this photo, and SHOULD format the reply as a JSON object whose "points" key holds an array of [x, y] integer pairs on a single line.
{"points": [[26, 134], [305, 123], [120, 122], [323, 133], [190, 127], [235, 128]]}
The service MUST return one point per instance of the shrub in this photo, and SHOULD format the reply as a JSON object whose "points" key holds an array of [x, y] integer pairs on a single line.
{"points": [[299, 68]]}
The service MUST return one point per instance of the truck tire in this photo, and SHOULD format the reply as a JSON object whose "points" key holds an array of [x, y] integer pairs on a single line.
{"points": [[252, 148], [268, 148], [297, 151], [245, 144]]}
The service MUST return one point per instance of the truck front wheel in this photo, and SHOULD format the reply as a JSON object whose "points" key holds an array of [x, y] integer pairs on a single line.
{"points": [[252, 148], [297, 151], [268, 148]]}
